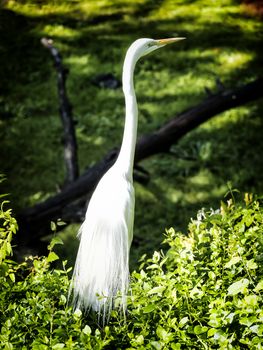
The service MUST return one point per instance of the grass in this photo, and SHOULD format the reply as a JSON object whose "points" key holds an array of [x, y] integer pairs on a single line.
{"points": [[223, 40]]}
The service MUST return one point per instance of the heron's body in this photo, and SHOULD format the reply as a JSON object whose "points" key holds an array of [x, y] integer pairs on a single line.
{"points": [[102, 263], [102, 266]]}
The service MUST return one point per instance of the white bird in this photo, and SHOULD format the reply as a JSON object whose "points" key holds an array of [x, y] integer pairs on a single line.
{"points": [[101, 274]]}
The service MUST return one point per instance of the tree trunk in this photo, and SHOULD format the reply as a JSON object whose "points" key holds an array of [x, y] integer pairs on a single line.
{"points": [[70, 143]]}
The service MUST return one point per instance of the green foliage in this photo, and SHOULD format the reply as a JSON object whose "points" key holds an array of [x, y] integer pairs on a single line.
{"points": [[7, 229], [204, 293], [33, 302]]}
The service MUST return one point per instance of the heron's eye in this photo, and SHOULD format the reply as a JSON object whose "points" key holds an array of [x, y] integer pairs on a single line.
{"points": [[150, 44]]}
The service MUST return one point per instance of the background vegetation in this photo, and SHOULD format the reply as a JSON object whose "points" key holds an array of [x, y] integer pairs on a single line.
{"points": [[204, 290], [204, 293], [223, 40]]}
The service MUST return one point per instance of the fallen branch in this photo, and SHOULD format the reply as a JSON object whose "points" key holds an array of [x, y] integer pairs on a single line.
{"points": [[31, 220], [161, 140], [70, 143]]}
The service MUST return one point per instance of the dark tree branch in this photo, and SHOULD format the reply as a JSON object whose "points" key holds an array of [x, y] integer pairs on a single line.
{"points": [[33, 218], [171, 132], [70, 144]]}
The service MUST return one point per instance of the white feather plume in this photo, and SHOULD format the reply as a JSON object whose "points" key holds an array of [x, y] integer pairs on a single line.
{"points": [[102, 263]]}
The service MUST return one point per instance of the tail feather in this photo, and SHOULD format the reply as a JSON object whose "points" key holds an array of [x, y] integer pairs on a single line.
{"points": [[101, 270]]}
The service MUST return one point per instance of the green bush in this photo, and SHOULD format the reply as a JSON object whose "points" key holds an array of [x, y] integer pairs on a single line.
{"points": [[205, 292]]}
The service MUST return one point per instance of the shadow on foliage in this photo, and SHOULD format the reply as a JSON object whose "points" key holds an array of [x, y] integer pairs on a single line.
{"points": [[22, 56]]}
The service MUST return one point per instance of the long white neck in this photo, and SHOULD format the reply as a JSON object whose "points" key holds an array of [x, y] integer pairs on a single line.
{"points": [[126, 156]]}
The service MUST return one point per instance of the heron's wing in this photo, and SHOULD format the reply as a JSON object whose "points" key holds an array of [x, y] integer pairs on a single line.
{"points": [[112, 203]]}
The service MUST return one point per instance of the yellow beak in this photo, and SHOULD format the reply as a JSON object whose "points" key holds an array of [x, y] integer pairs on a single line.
{"points": [[168, 41]]}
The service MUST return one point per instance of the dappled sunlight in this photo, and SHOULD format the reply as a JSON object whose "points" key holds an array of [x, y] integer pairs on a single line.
{"points": [[228, 118], [81, 64], [234, 60], [201, 11], [222, 44], [60, 31], [42, 9]]}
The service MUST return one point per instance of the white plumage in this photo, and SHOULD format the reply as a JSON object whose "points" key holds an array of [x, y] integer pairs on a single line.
{"points": [[101, 274], [102, 264]]}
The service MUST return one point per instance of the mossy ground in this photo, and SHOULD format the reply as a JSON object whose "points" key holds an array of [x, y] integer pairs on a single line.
{"points": [[223, 40]]}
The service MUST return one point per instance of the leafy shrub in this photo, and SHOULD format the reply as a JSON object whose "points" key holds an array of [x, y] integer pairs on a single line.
{"points": [[33, 302], [204, 293]]}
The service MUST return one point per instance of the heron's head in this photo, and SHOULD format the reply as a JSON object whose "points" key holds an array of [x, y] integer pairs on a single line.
{"points": [[139, 48], [144, 46]]}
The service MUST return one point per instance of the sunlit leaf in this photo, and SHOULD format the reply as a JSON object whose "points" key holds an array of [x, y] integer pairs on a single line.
{"points": [[238, 287], [52, 257]]}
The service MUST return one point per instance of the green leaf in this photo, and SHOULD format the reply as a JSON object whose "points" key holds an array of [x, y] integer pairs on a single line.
{"points": [[77, 313], [139, 340], [53, 226], [196, 293], [259, 286], [86, 330], [156, 345], [149, 308], [251, 265], [255, 329], [183, 321], [61, 223], [156, 290], [249, 219], [247, 321], [238, 287], [199, 329], [12, 277], [251, 300], [63, 299], [54, 241], [153, 266], [232, 262], [211, 332], [52, 257], [58, 346], [164, 335]]}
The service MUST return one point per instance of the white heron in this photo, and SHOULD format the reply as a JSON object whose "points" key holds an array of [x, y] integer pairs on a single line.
{"points": [[101, 272]]}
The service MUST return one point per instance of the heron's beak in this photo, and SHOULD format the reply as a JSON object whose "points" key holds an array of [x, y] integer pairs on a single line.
{"points": [[163, 42]]}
